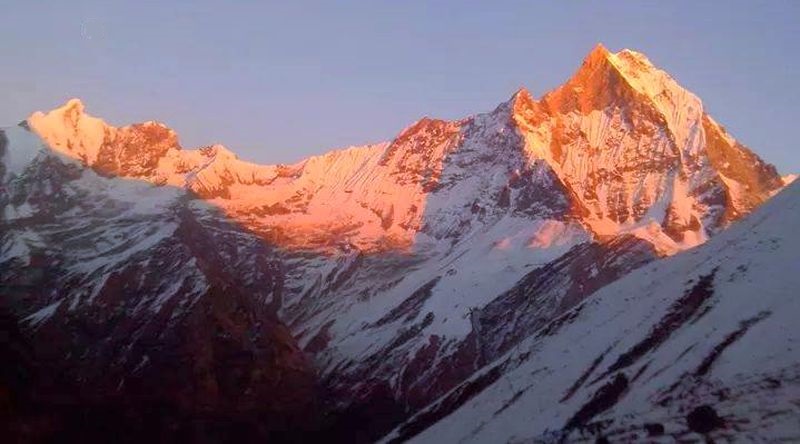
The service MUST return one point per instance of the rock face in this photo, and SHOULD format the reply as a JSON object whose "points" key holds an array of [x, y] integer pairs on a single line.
{"points": [[400, 269]]}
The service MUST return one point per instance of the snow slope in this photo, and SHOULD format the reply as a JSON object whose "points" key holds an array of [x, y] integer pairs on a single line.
{"points": [[712, 326]]}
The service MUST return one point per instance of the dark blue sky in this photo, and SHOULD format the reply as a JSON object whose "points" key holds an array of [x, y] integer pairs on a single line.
{"points": [[279, 81]]}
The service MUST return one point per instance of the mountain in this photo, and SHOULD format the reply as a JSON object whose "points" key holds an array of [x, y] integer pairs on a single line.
{"points": [[143, 311], [701, 344], [621, 141], [379, 277]]}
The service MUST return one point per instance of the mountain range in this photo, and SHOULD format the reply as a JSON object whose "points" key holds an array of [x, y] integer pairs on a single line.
{"points": [[568, 255]]}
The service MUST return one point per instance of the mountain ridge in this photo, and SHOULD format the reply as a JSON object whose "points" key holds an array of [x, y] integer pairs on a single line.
{"points": [[547, 127], [397, 266]]}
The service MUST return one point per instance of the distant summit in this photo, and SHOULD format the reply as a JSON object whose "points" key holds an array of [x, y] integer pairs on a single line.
{"points": [[631, 150]]}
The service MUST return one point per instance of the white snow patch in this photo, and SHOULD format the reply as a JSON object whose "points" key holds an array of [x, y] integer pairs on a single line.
{"points": [[43, 314]]}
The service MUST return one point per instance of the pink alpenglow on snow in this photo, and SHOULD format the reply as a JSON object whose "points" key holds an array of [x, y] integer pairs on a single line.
{"points": [[384, 286]]}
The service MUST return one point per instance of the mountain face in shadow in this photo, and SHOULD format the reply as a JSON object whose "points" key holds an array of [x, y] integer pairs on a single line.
{"points": [[144, 314], [343, 294]]}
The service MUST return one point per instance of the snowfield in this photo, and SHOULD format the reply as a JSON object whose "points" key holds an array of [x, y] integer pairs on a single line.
{"points": [[715, 325]]}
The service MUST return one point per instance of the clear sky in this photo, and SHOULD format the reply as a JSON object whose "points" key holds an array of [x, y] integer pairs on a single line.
{"points": [[277, 81]]}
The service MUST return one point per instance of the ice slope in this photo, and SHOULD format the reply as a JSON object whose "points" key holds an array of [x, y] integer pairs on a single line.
{"points": [[715, 325]]}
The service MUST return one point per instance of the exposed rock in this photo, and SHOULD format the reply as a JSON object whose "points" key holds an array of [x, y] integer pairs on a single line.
{"points": [[704, 419]]}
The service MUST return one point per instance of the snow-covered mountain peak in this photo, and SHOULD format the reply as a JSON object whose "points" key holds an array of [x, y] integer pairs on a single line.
{"points": [[607, 79], [598, 53], [522, 106], [131, 151], [522, 95], [680, 108], [69, 130], [638, 151], [75, 104], [70, 115], [630, 63], [620, 144], [402, 266], [631, 56]]}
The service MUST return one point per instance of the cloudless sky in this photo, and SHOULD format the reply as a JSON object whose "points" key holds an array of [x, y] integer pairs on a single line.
{"points": [[278, 81]]}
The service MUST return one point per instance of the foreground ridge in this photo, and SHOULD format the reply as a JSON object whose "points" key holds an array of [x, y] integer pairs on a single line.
{"points": [[683, 357]]}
